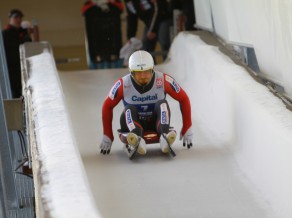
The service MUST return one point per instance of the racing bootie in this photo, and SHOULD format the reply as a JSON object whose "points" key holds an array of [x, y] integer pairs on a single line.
{"points": [[136, 141], [167, 140]]}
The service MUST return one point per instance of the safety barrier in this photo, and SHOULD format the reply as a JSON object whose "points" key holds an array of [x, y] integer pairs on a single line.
{"points": [[61, 188]]}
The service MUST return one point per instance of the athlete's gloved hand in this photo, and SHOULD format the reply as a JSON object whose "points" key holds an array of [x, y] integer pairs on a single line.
{"points": [[105, 145], [187, 138]]}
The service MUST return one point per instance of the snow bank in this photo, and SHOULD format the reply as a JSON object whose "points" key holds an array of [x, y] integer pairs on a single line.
{"points": [[236, 112], [62, 186]]}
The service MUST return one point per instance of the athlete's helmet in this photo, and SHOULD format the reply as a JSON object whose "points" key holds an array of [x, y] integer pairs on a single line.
{"points": [[140, 61]]}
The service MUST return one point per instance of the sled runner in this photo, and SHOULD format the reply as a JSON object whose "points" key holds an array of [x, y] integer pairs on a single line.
{"points": [[150, 137]]}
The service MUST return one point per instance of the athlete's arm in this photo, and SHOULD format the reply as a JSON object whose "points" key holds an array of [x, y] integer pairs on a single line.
{"points": [[172, 88], [112, 99]]}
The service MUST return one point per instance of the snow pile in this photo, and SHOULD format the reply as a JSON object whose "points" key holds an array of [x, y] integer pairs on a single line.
{"points": [[64, 190], [238, 113]]}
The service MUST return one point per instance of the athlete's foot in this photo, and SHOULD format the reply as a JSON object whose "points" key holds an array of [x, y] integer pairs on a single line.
{"points": [[167, 140], [134, 141]]}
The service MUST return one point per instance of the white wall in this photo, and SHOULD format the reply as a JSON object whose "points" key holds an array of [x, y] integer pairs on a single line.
{"points": [[265, 25], [203, 14]]}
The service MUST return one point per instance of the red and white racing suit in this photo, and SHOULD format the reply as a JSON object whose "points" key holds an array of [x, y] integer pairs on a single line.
{"points": [[145, 102]]}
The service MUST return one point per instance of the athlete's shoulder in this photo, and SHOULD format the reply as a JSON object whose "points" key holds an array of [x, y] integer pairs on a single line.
{"points": [[172, 83], [114, 90]]}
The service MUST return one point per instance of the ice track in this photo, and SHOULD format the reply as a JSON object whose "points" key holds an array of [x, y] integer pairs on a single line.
{"points": [[203, 182]]}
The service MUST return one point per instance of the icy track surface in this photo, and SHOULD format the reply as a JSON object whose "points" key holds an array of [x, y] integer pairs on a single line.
{"points": [[203, 182]]}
